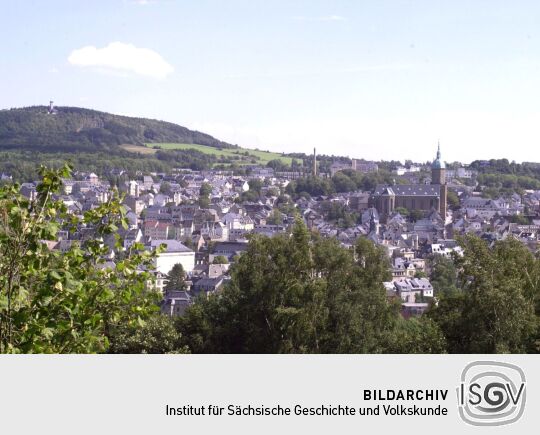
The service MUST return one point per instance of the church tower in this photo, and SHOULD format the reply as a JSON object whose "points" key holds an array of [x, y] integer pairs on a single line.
{"points": [[438, 177]]}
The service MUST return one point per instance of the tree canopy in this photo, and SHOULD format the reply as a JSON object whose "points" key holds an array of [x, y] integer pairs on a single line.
{"points": [[496, 309], [302, 293], [176, 278], [69, 300]]}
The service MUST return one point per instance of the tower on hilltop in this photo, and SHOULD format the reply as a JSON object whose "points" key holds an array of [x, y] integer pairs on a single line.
{"points": [[52, 110]]}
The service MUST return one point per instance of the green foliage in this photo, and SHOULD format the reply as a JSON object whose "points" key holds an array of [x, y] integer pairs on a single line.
{"points": [[314, 186], [340, 214], [272, 191], [241, 156], [452, 200], [205, 190], [369, 181], [204, 195], [495, 312], [157, 335], [220, 259], [420, 335], [402, 211], [249, 196], [297, 294], [415, 215], [278, 165], [176, 278], [443, 275], [83, 130], [520, 220], [61, 302], [255, 186], [501, 177], [276, 218], [24, 165], [342, 183], [165, 188]]}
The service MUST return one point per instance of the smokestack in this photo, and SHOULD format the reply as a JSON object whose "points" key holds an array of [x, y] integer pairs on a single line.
{"points": [[314, 162]]}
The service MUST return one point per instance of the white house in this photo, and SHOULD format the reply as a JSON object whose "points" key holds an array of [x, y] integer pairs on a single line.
{"points": [[174, 253], [235, 221], [409, 289]]}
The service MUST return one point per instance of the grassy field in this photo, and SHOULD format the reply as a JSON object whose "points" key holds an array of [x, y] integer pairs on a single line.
{"points": [[247, 155], [138, 149]]}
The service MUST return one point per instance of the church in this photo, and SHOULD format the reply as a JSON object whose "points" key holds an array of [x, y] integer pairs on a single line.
{"points": [[421, 197]]}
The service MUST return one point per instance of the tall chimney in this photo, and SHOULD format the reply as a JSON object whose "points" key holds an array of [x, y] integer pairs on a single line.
{"points": [[314, 162]]}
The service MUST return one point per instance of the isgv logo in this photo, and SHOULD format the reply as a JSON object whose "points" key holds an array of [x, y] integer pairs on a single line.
{"points": [[491, 393]]}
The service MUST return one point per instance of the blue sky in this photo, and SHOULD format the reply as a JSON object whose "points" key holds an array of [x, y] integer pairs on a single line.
{"points": [[373, 79]]}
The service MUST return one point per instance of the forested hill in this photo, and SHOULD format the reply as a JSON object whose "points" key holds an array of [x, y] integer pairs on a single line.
{"points": [[74, 129]]}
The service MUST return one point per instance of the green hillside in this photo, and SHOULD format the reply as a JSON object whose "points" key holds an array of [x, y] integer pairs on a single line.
{"points": [[102, 142], [241, 155], [74, 129]]}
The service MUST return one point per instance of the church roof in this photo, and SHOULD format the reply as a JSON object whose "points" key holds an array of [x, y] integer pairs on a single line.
{"points": [[410, 190]]}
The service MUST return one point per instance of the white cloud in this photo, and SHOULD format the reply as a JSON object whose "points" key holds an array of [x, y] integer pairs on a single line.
{"points": [[120, 57], [321, 18]]}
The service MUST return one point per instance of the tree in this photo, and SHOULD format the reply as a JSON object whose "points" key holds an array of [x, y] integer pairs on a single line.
{"points": [[452, 200], [416, 215], [272, 191], [255, 186], [220, 259], [313, 185], [250, 196], [157, 335], [417, 335], [342, 183], [443, 275], [278, 165], [204, 202], [276, 218], [62, 302], [297, 293], [495, 310], [176, 278], [165, 188], [205, 190], [402, 211], [520, 220]]}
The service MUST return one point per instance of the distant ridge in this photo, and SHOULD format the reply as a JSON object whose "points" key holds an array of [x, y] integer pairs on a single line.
{"points": [[75, 129]]}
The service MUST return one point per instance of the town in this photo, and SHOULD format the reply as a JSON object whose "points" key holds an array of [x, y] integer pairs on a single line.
{"points": [[203, 220]]}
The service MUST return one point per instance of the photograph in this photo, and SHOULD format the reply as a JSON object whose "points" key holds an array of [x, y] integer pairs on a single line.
{"points": [[269, 177]]}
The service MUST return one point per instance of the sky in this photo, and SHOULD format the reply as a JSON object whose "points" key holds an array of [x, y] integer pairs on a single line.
{"points": [[381, 79]]}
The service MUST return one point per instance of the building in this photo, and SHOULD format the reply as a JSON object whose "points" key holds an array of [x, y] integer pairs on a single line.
{"points": [[134, 189], [156, 229], [451, 174], [411, 289], [355, 165], [208, 285], [364, 167], [174, 253], [438, 178], [175, 303], [420, 197]]}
